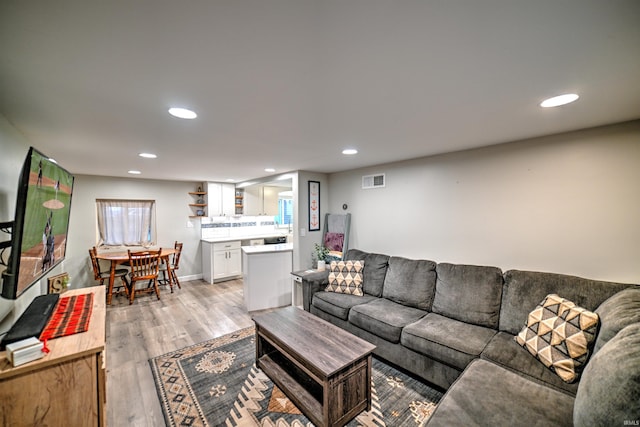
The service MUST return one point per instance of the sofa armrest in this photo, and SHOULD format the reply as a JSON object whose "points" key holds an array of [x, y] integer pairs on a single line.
{"points": [[312, 283]]}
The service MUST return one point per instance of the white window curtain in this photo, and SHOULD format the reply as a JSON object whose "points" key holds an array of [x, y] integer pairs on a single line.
{"points": [[126, 222]]}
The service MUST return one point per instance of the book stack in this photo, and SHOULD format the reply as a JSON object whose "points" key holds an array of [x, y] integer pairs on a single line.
{"points": [[21, 352]]}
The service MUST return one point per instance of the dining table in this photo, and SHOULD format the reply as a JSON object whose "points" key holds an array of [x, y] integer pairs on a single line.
{"points": [[117, 257]]}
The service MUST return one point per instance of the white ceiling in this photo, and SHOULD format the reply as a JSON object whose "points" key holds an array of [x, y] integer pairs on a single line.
{"points": [[289, 83]]}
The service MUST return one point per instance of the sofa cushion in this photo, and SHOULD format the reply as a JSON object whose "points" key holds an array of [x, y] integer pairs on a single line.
{"points": [[609, 391], [560, 334], [410, 282], [489, 395], [447, 340], [523, 291], [506, 352], [469, 293], [374, 274], [345, 277], [619, 311], [384, 318], [337, 304]]}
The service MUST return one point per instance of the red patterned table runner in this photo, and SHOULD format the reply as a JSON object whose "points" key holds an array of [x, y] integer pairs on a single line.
{"points": [[72, 316]]}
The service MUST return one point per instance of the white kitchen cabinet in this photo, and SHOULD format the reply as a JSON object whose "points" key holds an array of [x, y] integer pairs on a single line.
{"points": [[270, 200], [227, 263], [221, 199], [221, 261], [261, 200], [253, 200]]}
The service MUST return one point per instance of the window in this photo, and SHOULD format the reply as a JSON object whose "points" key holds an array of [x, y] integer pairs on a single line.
{"points": [[126, 222], [285, 210]]}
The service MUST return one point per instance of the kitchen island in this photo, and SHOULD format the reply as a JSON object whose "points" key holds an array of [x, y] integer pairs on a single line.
{"points": [[222, 258], [266, 273]]}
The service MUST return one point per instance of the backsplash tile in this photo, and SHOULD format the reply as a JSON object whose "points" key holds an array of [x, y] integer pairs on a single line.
{"points": [[244, 226]]}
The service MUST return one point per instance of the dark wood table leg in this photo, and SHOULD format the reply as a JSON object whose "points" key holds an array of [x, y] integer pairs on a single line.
{"points": [[112, 278], [168, 271]]}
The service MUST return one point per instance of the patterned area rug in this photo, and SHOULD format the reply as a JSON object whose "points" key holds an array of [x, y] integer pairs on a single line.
{"points": [[216, 383]]}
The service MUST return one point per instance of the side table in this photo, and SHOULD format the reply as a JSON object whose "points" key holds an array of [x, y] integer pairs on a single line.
{"points": [[304, 284], [296, 287]]}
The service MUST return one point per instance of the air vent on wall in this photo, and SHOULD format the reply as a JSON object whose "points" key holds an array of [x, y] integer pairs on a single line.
{"points": [[373, 181]]}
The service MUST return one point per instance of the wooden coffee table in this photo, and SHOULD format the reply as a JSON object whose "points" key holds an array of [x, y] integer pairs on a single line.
{"points": [[324, 370]]}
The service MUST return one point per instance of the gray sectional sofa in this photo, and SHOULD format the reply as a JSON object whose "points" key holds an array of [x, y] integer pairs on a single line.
{"points": [[454, 326]]}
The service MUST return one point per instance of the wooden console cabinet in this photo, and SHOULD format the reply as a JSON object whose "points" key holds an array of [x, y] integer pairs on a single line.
{"points": [[67, 386]]}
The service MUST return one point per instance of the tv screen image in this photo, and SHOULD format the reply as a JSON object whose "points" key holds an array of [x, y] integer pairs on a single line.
{"points": [[39, 235]]}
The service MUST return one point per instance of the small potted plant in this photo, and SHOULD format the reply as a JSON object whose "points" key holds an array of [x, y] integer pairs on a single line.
{"points": [[320, 254]]}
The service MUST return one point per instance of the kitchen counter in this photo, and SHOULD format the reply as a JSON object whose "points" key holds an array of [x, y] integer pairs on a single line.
{"points": [[261, 249], [222, 256], [241, 238], [266, 274]]}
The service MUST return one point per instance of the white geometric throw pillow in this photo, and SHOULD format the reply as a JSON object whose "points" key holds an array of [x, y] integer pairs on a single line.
{"points": [[346, 277], [560, 334]]}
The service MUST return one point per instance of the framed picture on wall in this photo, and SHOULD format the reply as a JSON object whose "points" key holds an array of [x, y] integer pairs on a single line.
{"points": [[314, 205]]}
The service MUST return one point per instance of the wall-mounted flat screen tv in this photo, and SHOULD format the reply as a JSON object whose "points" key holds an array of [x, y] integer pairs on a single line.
{"points": [[41, 223]]}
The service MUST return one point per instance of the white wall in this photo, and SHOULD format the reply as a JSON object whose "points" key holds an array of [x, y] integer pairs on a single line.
{"points": [[303, 238], [567, 203], [172, 210]]}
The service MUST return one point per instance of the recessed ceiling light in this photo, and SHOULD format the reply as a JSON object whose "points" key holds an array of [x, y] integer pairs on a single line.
{"points": [[269, 170], [134, 172], [349, 151], [182, 113], [52, 160], [147, 155], [559, 100]]}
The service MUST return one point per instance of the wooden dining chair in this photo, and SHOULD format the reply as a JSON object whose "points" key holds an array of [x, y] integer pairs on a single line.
{"points": [[173, 264], [100, 275], [144, 268]]}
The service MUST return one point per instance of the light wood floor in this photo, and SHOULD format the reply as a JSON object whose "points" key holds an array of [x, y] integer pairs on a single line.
{"points": [[148, 328]]}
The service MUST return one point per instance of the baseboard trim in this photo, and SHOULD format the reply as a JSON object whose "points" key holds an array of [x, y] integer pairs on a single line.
{"points": [[190, 277]]}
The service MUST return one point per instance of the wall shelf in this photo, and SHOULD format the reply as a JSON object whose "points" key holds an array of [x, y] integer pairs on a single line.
{"points": [[239, 201], [200, 208]]}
